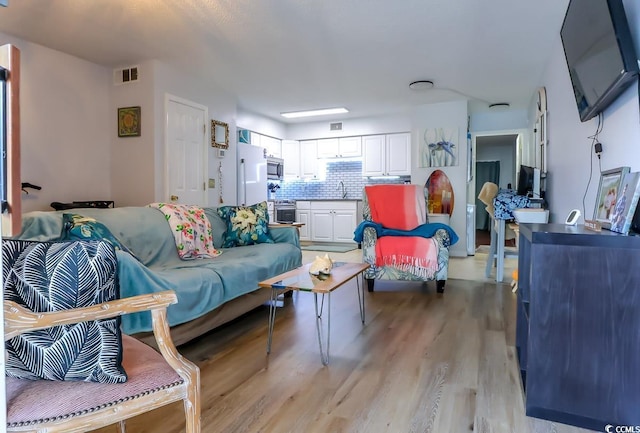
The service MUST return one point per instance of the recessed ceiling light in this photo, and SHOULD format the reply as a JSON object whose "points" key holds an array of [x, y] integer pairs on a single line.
{"points": [[499, 106], [421, 85], [308, 113]]}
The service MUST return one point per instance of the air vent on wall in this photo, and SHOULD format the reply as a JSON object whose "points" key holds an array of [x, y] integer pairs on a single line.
{"points": [[335, 126], [125, 75]]}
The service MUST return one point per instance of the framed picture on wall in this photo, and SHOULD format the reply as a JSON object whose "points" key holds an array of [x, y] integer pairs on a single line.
{"points": [[129, 122], [608, 191], [438, 148], [219, 134]]}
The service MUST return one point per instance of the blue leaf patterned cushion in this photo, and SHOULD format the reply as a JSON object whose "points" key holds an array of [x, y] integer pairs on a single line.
{"points": [[81, 228], [506, 201], [54, 276], [246, 225]]}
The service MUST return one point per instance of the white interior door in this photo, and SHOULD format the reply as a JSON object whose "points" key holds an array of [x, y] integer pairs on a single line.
{"points": [[186, 152]]}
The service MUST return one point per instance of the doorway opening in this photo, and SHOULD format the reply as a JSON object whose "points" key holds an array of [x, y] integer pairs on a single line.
{"points": [[496, 160]]}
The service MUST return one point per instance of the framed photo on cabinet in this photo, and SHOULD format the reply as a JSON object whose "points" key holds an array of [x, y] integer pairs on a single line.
{"points": [[626, 203], [608, 191]]}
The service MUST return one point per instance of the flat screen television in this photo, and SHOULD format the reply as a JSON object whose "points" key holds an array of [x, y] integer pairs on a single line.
{"points": [[529, 181], [600, 53]]}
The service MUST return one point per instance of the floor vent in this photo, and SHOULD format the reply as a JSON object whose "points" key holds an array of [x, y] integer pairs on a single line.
{"points": [[125, 75]]}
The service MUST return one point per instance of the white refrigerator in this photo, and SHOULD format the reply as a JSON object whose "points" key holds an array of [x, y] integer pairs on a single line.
{"points": [[252, 174]]}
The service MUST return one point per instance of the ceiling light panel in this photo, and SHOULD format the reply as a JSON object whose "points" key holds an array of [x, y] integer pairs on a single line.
{"points": [[309, 113]]}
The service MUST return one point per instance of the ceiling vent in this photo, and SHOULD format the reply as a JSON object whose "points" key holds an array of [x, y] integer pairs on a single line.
{"points": [[335, 126], [125, 75]]}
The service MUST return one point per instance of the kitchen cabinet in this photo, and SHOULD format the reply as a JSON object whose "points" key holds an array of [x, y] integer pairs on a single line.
{"points": [[272, 145], [344, 147], [578, 314], [255, 139], [300, 159], [291, 156], [308, 159], [333, 221], [386, 155], [303, 215]]}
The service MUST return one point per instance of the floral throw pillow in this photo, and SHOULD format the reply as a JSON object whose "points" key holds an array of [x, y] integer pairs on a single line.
{"points": [[81, 228], [246, 225]]}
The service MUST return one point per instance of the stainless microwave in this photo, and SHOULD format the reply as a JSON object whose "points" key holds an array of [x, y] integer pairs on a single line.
{"points": [[275, 168]]}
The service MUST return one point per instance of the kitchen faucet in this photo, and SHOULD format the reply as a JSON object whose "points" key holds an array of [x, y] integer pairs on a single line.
{"points": [[344, 191]]}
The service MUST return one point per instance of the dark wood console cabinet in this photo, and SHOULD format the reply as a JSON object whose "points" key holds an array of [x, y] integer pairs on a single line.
{"points": [[578, 325]]}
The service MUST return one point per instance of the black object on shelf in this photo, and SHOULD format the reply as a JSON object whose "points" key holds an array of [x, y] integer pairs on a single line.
{"points": [[100, 204]]}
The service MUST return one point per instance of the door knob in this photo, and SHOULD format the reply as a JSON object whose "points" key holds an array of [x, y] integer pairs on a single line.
{"points": [[174, 198]]}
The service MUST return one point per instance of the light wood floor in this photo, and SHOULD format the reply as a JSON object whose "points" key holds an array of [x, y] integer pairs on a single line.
{"points": [[423, 362]]}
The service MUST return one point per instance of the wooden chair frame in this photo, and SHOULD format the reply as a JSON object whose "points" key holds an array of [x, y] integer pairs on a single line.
{"points": [[19, 320]]}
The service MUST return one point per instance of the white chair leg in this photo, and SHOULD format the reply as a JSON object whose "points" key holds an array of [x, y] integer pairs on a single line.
{"points": [[492, 249], [500, 251], [121, 427]]}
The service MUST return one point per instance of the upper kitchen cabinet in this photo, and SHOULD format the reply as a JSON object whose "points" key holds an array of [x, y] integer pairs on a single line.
{"points": [[398, 154], [308, 159], [300, 160], [255, 139], [291, 156], [386, 155], [345, 147], [273, 146]]}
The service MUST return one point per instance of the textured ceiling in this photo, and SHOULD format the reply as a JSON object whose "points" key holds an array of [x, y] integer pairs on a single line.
{"points": [[285, 55]]}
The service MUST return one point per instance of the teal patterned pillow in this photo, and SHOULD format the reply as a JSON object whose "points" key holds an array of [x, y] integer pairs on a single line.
{"points": [[246, 225], [55, 276], [81, 228]]}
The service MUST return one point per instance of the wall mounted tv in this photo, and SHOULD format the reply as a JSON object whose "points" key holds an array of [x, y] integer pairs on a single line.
{"points": [[600, 54]]}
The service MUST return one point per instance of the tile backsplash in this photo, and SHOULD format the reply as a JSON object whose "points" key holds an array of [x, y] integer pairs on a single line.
{"points": [[347, 171]]}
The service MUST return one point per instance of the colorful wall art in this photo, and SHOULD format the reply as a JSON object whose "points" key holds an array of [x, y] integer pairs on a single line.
{"points": [[438, 147]]}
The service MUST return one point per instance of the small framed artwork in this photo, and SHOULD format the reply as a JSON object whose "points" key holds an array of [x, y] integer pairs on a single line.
{"points": [[439, 148], [129, 122], [219, 134], [625, 205], [608, 192]]}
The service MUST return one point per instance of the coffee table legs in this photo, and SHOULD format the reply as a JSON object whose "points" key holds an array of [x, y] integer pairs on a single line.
{"points": [[319, 308], [324, 356], [360, 289], [272, 316]]}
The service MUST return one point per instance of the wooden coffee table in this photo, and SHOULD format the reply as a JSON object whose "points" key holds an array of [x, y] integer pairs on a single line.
{"points": [[301, 279]]}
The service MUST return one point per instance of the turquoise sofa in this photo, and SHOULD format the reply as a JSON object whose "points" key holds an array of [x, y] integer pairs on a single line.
{"points": [[210, 291]]}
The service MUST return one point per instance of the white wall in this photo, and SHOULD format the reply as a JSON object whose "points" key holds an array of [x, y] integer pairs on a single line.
{"points": [[132, 163], [569, 151], [445, 115], [261, 124], [499, 120], [65, 129], [139, 162], [222, 107], [70, 144]]}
